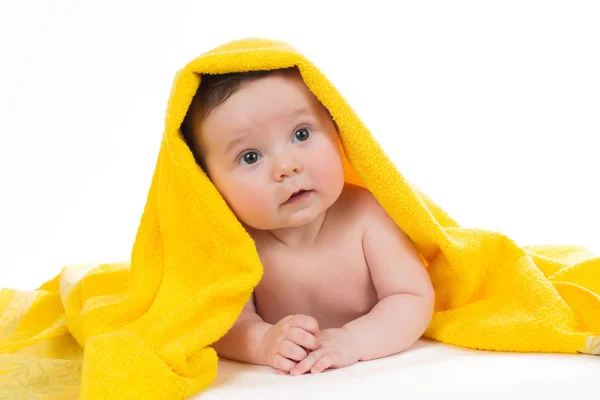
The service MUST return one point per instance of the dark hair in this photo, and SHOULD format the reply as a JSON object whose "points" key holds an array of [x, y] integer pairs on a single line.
{"points": [[213, 91]]}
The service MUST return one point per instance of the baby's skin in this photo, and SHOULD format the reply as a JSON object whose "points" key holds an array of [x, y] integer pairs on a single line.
{"points": [[342, 283], [358, 292]]}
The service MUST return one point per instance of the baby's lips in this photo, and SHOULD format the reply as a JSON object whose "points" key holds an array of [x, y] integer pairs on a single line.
{"points": [[298, 192]]}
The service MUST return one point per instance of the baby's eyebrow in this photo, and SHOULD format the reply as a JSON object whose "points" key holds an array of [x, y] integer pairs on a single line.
{"points": [[299, 111], [234, 142]]}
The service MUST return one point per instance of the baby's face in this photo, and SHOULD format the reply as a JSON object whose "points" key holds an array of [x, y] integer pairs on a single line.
{"points": [[268, 140]]}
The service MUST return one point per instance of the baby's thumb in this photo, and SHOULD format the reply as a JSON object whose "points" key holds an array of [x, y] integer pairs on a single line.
{"points": [[311, 325], [306, 322]]}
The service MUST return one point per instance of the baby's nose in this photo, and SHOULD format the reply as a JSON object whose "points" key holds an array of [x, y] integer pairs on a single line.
{"points": [[287, 167]]}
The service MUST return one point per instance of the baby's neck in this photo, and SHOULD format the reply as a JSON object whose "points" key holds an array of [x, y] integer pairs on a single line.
{"points": [[300, 236]]}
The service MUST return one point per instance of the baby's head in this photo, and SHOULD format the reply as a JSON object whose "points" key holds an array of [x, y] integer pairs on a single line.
{"points": [[260, 137]]}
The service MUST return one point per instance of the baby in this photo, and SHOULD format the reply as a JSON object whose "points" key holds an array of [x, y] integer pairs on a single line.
{"points": [[342, 283]]}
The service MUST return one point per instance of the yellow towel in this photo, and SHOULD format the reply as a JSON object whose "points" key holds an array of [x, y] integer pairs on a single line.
{"points": [[146, 325]]}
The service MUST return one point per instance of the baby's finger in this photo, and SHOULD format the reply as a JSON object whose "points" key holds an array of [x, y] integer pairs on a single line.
{"points": [[305, 322], [292, 351], [322, 363], [302, 338], [282, 363], [306, 364], [280, 371]]}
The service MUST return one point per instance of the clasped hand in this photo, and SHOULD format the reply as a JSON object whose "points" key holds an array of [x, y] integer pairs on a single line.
{"points": [[296, 345]]}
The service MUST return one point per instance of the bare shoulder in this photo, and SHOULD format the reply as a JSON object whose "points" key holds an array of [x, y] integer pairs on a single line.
{"points": [[357, 210], [359, 204], [394, 262]]}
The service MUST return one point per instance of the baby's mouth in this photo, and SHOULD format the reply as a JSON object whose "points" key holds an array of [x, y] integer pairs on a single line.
{"points": [[297, 194]]}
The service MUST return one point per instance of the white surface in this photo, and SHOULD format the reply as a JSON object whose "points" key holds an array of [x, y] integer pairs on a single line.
{"points": [[427, 370]]}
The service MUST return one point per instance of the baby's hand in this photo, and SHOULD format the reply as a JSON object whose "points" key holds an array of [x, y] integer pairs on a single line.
{"points": [[337, 350], [287, 342]]}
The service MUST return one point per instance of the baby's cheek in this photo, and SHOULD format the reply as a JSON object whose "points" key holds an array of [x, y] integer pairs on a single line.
{"points": [[328, 170], [250, 205], [253, 197]]}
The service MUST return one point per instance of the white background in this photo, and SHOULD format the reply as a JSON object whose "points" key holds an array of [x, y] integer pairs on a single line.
{"points": [[492, 108]]}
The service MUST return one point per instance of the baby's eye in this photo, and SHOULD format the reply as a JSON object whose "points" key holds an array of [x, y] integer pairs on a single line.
{"points": [[249, 158], [302, 134]]}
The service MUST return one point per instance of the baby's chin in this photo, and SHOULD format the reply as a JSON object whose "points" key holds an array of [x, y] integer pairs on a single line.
{"points": [[295, 220]]}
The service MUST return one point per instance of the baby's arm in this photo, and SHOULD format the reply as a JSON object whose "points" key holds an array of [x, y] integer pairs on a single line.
{"points": [[405, 293], [280, 346], [242, 341]]}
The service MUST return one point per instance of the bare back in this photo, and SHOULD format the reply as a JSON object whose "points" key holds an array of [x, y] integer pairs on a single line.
{"points": [[329, 281]]}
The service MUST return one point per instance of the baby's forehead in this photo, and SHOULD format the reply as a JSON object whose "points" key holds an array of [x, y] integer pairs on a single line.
{"points": [[261, 106]]}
